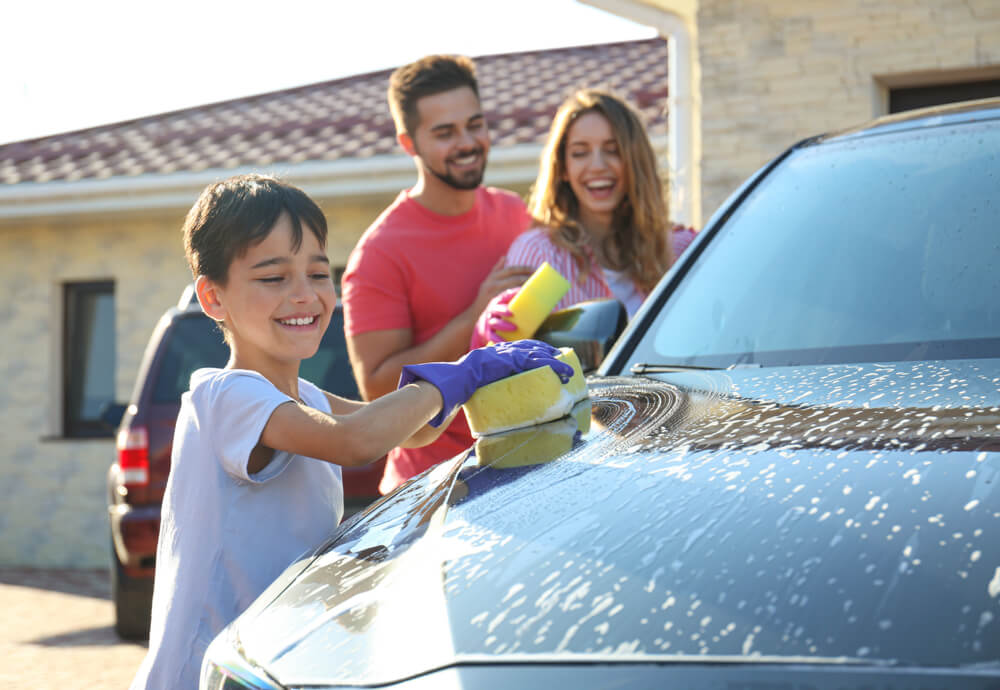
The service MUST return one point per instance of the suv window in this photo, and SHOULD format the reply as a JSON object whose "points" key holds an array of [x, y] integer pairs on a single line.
{"points": [[195, 342], [330, 368]]}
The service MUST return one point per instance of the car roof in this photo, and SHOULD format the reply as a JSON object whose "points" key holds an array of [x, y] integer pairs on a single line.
{"points": [[934, 116]]}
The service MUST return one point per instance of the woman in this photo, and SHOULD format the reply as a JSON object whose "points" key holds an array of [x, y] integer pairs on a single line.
{"points": [[599, 210]]}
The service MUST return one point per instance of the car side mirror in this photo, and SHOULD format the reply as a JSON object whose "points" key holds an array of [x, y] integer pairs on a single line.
{"points": [[111, 413], [590, 328]]}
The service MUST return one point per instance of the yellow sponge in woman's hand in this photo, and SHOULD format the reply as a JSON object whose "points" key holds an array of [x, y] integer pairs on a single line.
{"points": [[530, 397], [535, 301]]}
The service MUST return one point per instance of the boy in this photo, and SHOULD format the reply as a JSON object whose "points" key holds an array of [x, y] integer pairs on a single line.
{"points": [[254, 479]]}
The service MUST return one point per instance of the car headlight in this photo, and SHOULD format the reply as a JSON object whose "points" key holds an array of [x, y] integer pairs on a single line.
{"points": [[224, 668]]}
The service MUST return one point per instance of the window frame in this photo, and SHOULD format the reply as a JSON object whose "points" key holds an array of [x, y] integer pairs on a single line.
{"points": [[904, 98], [885, 86], [71, 358]]}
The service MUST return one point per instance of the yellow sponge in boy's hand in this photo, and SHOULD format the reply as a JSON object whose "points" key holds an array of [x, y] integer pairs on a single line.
{"points": [[530, 397], [535, 301]]}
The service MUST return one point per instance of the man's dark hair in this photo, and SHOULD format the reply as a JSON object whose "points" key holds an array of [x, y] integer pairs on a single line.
{"points": [[427, 76], [235, 214]]}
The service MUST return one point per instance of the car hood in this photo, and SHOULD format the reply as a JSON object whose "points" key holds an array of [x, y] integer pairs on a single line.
{"points": [[835, 514]]}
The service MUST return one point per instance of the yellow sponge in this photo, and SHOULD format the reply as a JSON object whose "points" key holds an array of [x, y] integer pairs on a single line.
{"points": [[581, 413], [534, 445], [535, 301], [525, 399]]}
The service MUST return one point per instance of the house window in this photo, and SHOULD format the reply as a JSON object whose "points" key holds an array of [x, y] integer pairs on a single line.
{"points": [[910, 97], [88, 356]]}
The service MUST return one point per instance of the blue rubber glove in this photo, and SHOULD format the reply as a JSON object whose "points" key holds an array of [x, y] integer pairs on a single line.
{"points": [[457, 381]]}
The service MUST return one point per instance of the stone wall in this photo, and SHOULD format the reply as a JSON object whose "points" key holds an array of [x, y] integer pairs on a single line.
{"points": [[776, 71]]}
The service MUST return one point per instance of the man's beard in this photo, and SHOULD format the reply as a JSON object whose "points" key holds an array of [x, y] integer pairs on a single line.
{"points": [[454, 182]]}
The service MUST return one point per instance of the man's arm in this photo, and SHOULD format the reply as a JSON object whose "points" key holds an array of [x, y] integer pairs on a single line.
{"points": [[377, 357]]}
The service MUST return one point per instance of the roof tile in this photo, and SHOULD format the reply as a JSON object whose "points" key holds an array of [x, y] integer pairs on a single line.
{"points": [[343, 118]]}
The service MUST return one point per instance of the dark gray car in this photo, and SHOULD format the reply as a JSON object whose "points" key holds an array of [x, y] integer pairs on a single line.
{"points": [[789, 477]]}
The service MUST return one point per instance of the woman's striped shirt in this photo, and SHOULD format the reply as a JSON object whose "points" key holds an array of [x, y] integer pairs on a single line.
{"points": [[533, 247]]}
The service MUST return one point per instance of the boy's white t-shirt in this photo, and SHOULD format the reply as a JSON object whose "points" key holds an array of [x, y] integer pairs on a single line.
{"points": [[224, 535]]}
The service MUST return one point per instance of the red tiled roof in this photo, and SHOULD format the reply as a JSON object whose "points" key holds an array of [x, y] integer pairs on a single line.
{"points": [[341, 119]]}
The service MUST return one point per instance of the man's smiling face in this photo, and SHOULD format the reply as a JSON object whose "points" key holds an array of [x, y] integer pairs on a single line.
{"points": [[452, 140]]}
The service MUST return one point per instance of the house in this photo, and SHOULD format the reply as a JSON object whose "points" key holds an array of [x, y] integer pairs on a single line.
{"points": [[91, 252]]}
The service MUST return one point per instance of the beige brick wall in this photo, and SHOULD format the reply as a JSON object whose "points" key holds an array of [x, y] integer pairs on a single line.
{"points": [[52, 495], [776, 71]]}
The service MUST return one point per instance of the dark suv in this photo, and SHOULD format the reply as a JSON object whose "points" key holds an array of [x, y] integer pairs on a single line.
{"points": [[184, 340]]}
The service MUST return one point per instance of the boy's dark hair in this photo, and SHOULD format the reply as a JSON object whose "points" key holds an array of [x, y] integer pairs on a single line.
{"points": [[425, 77], [233, 215]]}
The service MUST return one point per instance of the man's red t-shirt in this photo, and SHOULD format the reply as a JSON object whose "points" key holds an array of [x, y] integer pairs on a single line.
{"points": [[417, 269]]}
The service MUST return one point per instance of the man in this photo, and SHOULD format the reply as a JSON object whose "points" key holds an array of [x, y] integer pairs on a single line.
{"points": [[425, 270]]}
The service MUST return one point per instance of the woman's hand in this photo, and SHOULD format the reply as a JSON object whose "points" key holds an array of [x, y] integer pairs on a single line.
{"points": [[493, 320], [501, 277]]}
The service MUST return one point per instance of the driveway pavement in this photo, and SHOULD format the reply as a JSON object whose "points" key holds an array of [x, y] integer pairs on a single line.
{"points": [[57, 632]]}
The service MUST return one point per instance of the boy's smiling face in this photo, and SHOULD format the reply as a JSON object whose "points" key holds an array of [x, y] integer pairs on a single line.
{"points": [[276, 303]]}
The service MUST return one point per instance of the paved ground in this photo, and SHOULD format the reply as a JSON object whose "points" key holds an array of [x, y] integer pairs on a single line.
{"points": [[57, 632]]}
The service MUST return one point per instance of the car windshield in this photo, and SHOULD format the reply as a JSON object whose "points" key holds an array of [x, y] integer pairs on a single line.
{"points": [[866, 249], [195, 342]]}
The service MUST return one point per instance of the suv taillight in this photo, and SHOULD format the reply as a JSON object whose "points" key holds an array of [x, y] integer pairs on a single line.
{"points": [[133, 456]]}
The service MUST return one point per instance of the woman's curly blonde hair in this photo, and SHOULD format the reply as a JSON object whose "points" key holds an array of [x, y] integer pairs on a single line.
{"points": [[640, 237]]}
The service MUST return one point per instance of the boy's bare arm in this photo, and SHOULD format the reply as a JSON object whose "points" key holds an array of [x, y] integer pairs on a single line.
{"points": [[426, 434], [429, 434], [357, 438], [339, 405]]}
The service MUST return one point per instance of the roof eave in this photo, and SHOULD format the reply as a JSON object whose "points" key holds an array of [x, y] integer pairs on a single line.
{"points": [[379, 175]]}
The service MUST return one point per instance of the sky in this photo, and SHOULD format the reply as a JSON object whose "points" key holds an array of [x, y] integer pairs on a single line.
{"points": [[69, 64]]}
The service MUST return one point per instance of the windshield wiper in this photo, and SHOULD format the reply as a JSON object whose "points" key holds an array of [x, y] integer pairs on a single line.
{"points": [[652, 368], [657, 368]]}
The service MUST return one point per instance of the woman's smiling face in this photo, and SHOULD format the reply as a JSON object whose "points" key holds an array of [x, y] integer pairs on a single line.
{"points": [[594, 169]]}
